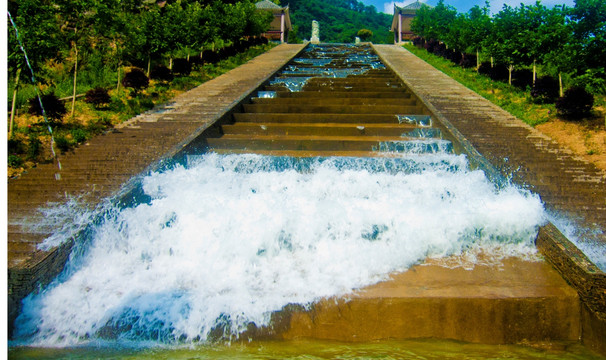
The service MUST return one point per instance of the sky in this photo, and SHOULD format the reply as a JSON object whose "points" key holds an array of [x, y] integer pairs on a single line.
{"points": [[463, 6]]}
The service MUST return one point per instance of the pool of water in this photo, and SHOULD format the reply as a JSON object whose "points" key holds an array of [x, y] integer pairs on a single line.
{"points": [[305, 349]]}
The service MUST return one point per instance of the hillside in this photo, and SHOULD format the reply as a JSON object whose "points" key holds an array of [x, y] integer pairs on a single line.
{"points": [[339, 20]]}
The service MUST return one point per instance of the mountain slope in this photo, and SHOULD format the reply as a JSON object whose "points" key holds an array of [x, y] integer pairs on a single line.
{"points": [[340, 20]]}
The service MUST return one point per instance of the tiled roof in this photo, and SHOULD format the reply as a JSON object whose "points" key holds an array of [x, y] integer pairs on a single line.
{"points": [[266, 4], [413, 6]]}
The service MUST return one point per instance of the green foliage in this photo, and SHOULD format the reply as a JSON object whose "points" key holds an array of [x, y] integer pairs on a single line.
{"points": [[53, 107], [339, 20], [135, 79], [511, 99], [575, 103], [566, 42], [97, 96], [34, 148], [14, 161], [99, 126], [63, 143], [365, 34], [79, 135]]}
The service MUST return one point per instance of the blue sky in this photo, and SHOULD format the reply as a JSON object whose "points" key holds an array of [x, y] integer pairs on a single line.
{"points": [[464, 5]]}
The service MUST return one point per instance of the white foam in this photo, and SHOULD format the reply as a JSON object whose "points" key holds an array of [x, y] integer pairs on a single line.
{"points": [[225, 239]]}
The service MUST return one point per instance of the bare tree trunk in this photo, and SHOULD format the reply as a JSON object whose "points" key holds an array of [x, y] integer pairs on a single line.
{"points": [[491, 62], [561, 85], [477, 59], [170, 62], [148, 64], [510, 71], [534, 72], [119, 82], [10, 129], [75, 79]]}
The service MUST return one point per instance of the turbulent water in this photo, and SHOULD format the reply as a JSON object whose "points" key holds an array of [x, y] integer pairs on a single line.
{"points": [[229, 239]]}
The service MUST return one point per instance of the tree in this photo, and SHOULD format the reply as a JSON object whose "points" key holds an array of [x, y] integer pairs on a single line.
{"points": [[475, 29], [557, 46], [434, 23], [589, 31], [77, 17], [504, 42], [35, 23], [364, 34]]}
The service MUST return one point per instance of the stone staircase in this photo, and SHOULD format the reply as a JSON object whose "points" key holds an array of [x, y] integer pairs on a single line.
{"points": [[332, 100]]}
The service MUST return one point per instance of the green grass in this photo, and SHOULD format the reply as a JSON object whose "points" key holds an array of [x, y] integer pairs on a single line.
{"points": [[509, 98]]}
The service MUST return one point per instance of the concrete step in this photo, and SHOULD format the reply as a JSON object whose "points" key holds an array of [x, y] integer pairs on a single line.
{"points": [[318, 129], [308, 153], [335, 101], [523, 302], [344, 94], [342, 88], [332, 109], [299, 142], [359, 119]]}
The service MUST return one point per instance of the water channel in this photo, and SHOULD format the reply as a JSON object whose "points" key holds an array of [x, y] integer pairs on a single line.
{"points": [[222, 241]]}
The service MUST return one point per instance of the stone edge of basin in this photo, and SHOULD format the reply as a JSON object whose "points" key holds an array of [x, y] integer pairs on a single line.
{"points": [[44, 266], [572, 264]]}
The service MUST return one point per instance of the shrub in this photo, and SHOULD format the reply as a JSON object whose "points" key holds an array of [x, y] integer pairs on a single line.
{"points": [[63, 143], [181, 67], [454, 56], [431, 45], [99, 126], [15, 146], [53, 107], [440, 49], [162, 73], [575, 103], [14, 161], [79, 135], [499, 73], [210, 57], [35, 145], [97, 96], [545, 90], [365, 34], [135, 79], [485, 68], [418, 41], [521, 78], [468, 61]]}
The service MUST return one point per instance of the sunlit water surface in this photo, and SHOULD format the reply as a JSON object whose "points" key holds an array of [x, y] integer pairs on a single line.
{"points": [[227, 240], [310, 350]]}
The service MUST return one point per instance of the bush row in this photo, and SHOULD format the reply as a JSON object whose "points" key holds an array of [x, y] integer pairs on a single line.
{"points": [[575, 103]]}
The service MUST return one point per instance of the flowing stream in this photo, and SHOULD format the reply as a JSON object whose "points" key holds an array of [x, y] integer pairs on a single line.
{"points": [[228, 239]]}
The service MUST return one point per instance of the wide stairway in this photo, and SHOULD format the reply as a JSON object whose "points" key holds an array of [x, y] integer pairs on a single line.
{"points": [[341, 100], [331, 100]]}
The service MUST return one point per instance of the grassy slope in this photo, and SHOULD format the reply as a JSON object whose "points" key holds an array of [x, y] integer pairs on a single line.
{"points": [[511, 99]]}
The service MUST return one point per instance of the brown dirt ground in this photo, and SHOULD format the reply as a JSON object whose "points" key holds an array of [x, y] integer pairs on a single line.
{"points": [[585, 138]]}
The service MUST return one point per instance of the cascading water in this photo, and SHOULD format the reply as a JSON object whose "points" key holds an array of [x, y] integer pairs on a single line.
{"points": [[229, 239]]}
